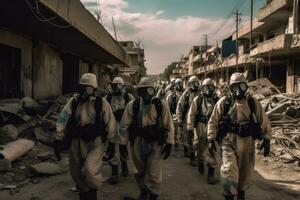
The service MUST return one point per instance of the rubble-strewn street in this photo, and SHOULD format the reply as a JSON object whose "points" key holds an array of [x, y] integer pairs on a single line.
{"points": [[36, 174]]}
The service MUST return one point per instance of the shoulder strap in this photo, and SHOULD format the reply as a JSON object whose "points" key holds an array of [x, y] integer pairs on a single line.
{"points": [[199, 101], [109, 98], [126, 97], [227, 104], [158, 106], [135, 108], [74, 107], [98, 108]]}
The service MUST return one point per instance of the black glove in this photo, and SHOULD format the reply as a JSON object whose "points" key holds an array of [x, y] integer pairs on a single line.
{"points": [[212, 147], [58, 148], [265, 145], [190, 137], [110, 150], [166, 152]]}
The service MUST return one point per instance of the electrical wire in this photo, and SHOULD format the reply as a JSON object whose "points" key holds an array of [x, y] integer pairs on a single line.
{"points": [[37, 14]]}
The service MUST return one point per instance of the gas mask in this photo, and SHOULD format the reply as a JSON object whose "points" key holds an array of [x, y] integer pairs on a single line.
{"points": [[85, 92], [179, 87], [147, 93], [117, 88], [239, 90], [194, 86], [208, 90]]}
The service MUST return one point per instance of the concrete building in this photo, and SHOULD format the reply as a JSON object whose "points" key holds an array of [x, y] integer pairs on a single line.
{"points": [[46, 45], [136, 61], [273, 54]]}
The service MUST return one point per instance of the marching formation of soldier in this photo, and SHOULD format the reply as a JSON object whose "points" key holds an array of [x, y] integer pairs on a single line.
{"points": [[216, 132]]}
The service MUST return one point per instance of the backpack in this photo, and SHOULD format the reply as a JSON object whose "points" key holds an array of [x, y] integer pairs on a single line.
{"points": [[71, 125]]}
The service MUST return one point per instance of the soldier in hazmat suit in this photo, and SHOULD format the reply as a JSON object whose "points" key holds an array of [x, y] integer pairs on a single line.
{"points": [[172, 99], [161, 91], [147, 124], [83, 126], [198, 116], [182, 111], [236, 122], [118, 99]]}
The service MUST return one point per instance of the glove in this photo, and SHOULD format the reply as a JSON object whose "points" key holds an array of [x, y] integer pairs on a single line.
{"points": [[190, 137], [265, 145], [111, 150], [58, 147], [123, 152], [212, 147], [166, 152]]}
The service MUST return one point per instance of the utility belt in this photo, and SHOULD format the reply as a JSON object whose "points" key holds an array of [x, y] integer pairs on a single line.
{"points": [[119, 114], [244, 129], [150, 134], [89, 132], [201, 119]]}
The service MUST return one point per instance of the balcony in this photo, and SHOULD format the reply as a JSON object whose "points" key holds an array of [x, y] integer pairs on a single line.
{"points": [[276, 9], [197, 58], [281, 42]]}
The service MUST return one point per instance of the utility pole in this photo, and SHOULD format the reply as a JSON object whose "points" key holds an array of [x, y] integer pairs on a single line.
{"points": [[251, 25], [205, 41], [237, 20], [113, 23]]}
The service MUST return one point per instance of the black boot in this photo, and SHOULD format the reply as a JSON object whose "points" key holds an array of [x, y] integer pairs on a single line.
{"points": [[241, 195], [92, 195], [229, 197], [153, 196], [114, 179], [201, 168], [193, 159], [210, 177], [144, 194], [186, 152], [84, 196], [176, 147], [124, 168]]}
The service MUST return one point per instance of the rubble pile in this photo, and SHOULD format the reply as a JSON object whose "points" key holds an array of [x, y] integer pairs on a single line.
{"points": [[283, 111], [26, 136]]}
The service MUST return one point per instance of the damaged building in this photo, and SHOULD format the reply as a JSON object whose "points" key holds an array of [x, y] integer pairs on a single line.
{"points": [[45, 46]]}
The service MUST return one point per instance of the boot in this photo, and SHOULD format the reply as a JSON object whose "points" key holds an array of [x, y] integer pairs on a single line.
{"points": [[176, 147], [229, 197], [201, 168], [124, 168], [153, 196], [210, 177], [241, 195], [92, 195], [193, 159], [84, 196], [114, 179], [144, 194], [186, 154]]}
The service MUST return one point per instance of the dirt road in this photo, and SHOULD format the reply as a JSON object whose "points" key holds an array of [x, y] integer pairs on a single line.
{"points": [[181, 182]]}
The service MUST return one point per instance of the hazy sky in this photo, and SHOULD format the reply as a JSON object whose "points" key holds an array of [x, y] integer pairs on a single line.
{"points": [[168, 28]]}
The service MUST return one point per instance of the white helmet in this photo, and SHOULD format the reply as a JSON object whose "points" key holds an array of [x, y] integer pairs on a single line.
{"points": [[118, 80], [145, 82], [178, 80], [237, 78], [173, 80], [193, 79], [89, 79], [208, 81]]}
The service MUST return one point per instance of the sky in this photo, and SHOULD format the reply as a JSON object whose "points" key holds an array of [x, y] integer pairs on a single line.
{"points": [[168, 29]]}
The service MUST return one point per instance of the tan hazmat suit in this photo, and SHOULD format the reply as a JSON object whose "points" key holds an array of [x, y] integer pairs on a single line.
{"points": [[238, 153], [178, 134], [86, 157], [182, 120], [147, 158], [117, 103], [200, 134]]}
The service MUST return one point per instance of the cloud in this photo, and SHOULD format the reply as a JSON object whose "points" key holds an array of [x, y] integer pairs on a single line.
{"points": [[164, 40]]}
